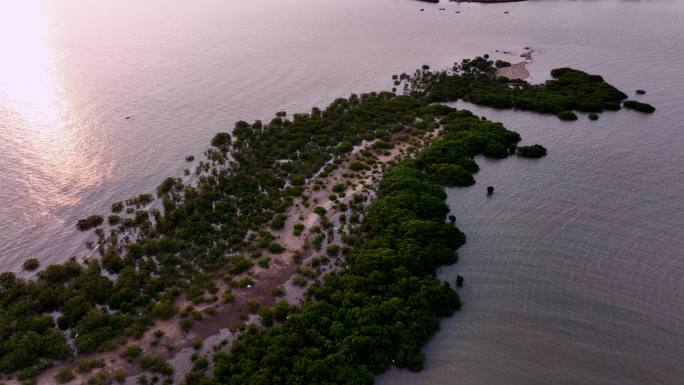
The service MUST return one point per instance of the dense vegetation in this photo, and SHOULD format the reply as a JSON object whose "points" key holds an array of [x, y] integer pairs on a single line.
{"points": [[245, 183], [386, 303], [476, 81]]}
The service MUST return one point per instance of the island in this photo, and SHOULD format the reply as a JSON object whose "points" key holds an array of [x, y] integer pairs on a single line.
{"points": [[345, 204]]}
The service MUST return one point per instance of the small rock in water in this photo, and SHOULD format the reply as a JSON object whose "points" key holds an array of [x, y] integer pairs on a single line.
{"points": [[490, 190], [641, 92]]}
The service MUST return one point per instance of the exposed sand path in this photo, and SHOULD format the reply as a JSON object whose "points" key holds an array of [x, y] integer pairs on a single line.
{"points": [[518, 70]]}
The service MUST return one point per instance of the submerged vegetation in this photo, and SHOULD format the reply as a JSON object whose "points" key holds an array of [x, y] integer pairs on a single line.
{"points": [[567, 115], [377, 311], [31, 264]]}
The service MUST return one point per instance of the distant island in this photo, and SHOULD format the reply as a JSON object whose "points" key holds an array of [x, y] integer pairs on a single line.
{"points": [[487, 1], [472, 1]]}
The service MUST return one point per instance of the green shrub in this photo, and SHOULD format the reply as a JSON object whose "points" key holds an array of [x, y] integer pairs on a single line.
{"points": [[333, 250], [239, 264], [131, 352], [156, 365], [266, 314], [495, 149], [339, 188], [89, 222], [317, 241], [221, 140], [85, 366], [264, 262], [299, 280], [117, 207], [297, 229], [567, 115], [357, 166], [197, 343], [381, 144], [278, 221], [196, 315], [297, 180], [64, 375], [253, 305], [275, 248], [185, 324], [113, 219], [533, 151], [31, 264], [638, 106], [164, 310], [278, 291], [119, 375]]}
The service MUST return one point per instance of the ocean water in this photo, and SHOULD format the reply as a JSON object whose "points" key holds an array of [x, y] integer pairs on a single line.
{"points": [[574, 268]]}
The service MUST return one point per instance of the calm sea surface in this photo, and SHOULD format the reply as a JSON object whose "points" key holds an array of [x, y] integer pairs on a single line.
{"points": [[574, 268]]}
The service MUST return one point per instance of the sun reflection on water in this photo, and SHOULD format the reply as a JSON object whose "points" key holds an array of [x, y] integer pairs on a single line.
{"points": [[27, 79], [37, 118]]}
